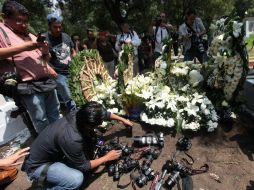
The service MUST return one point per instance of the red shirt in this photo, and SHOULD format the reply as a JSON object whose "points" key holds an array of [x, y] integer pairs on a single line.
{"points": [[29, 64]]}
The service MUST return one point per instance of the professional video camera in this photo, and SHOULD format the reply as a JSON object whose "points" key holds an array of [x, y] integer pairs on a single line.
{"points": [[149, 139]]}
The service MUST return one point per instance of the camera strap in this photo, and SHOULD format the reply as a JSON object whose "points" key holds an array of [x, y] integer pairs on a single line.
{"points": [[192, 30], [9, 44]]}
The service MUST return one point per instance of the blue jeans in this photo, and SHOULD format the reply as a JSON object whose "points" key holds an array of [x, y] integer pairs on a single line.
{"points": [[64, 92], [43, 108], [59, 177]]}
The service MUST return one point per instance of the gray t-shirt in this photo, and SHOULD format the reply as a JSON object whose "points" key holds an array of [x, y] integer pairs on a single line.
{"points": [[185, 32]]}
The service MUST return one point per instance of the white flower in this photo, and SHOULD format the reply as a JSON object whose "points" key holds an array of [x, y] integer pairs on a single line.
{"points": [[113, 110], [191, 109], [195, 78], [104, 124], [193, 126], [237, 28], [185, 88], [211, 126], [224, 103], [163, 65], [170, 122]]}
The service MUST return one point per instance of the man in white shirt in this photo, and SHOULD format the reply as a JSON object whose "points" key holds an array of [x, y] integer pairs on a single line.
{"points": [[129, 36], [191, 32], [160, 30]]}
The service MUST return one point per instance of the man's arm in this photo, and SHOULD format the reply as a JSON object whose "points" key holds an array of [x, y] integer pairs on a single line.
{"points": [[11, 51], [112, 155], [94, 44], [136, 40], [125, 121], [73, 52], [118, 45]]}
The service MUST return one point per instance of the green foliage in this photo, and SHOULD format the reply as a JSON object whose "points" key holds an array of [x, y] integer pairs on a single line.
{"points": [[74, 80]]}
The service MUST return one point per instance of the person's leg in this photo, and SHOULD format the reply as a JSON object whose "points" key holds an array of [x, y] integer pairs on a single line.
{"points": [[59, 177], [52, 106], [35, 106], [64, 92], [156, 55], [110, 66], [135, 66], [188, 56]]}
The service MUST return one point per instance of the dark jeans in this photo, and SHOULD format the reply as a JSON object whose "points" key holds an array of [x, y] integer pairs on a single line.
{"points": [[59, 177], [192, 53]]}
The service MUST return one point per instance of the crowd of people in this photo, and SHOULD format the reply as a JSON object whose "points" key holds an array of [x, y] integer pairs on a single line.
{"points": [[62, 152]]}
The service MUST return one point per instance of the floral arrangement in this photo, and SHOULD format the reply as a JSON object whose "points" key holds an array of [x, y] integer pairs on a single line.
{"points": [[228, 64], [182, 95], [173, 101]]}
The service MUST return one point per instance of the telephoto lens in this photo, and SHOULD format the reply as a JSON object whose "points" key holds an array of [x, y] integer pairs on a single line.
{"points": [[173, 179], [117, 174], [145, 140], [160, 139]]}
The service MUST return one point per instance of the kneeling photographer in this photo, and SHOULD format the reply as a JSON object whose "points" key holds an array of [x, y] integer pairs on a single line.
{"points": [[63, 153], [191, 33]]}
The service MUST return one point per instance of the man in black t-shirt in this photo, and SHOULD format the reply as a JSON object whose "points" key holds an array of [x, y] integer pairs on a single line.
{"points": [[107, 52], [62, 50], [67, 147]]}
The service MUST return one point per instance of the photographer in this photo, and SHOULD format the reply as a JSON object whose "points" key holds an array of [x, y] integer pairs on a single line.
{"points": [[191, 33], [64, 151], [21, 53], [128, 36], [107, 52], [160, 30]]}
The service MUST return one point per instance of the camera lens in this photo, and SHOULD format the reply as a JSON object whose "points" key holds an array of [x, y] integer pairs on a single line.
{"points": [[173, 179]]}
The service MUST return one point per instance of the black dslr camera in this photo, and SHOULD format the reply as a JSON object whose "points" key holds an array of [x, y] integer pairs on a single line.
{"points": [[9, 78], [177, 170], [197, 42], [146, 173]]}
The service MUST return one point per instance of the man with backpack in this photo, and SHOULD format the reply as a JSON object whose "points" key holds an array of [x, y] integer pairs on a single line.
{"points": [[128, 36], [62, 50], [160, 30]]}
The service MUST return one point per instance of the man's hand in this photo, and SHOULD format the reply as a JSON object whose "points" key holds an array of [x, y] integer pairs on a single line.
{"points": [[13, 159], [127, 123], [113, 155], [44, 47]]}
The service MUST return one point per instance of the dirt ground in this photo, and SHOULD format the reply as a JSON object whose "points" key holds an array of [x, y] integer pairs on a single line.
{"points": [[229, 155]]}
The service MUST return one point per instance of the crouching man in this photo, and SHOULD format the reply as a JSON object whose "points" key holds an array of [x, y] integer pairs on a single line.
{"points": [[63, 152]]}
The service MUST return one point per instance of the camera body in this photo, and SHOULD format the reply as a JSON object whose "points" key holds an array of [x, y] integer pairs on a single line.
{"points": [[197, 42], [146, 175], [9, 78], [116, 169], [177, 171]]}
